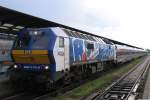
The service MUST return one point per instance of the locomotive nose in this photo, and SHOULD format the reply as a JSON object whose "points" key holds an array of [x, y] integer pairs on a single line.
{"points": [[31, 56]]}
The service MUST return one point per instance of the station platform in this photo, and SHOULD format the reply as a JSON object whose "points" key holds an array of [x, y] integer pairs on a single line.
{"points": [[3, 75], [3, 69], [146, 94]]}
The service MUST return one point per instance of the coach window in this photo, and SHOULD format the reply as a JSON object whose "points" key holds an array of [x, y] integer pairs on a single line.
{"points": [[61, 42]]}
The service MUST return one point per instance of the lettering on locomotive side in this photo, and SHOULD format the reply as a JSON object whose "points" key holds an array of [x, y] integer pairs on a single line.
{"points": [[32, 67], [27, 51]]}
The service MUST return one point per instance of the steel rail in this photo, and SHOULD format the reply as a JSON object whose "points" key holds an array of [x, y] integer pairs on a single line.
{"points": [[100, 96]]}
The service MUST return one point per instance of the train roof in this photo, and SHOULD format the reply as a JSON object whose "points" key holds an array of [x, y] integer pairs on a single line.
{"points": [[11, 22]]}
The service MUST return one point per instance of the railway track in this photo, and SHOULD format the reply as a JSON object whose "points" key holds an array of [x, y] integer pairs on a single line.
{"points": [[23, 96], [12, 97], [125, 88], [40, 95], [37, 96], [62, 90]]}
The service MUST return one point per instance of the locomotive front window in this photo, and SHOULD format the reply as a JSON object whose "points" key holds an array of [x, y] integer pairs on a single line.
{"points": [[22, 43], [90, 46], [40, 40]]}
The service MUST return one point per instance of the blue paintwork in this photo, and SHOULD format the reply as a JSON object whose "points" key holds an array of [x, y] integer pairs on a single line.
{"points": [[107, 52]]}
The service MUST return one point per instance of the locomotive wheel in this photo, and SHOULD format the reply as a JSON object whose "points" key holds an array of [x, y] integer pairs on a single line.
{"points": [[50, 86], [13, 78]]}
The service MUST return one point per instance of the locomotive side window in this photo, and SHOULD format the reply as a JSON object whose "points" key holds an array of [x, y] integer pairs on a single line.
{"points": [[61, 42], [90, 46]]}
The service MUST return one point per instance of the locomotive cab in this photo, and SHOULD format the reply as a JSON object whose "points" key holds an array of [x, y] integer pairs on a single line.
{"points": [[35, 52], [32, 48]]}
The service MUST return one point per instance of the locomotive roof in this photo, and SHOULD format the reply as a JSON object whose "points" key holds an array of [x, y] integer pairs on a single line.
{"points": [[12, 21]]}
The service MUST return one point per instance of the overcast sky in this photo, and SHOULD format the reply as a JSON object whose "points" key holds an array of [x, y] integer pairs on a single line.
{"points": [[127, 21]]}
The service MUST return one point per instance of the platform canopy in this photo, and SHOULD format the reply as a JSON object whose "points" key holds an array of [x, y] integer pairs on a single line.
{"points": [[11, 22]]}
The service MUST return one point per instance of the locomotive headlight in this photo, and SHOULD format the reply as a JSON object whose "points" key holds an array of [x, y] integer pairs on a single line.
{"points": [[46, 67], [35, 32], [15, 66]]}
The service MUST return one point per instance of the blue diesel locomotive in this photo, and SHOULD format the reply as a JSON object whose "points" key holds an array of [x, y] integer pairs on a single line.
{"points": [[48, 55]]}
